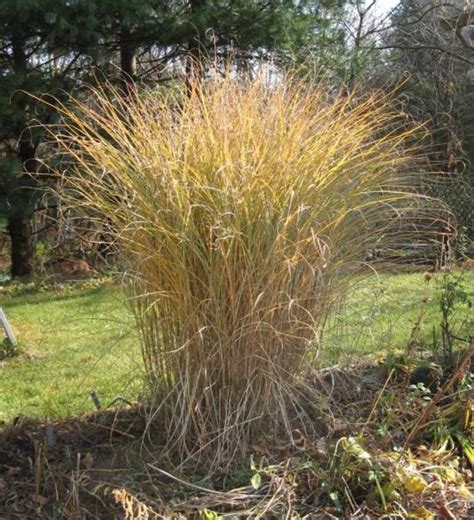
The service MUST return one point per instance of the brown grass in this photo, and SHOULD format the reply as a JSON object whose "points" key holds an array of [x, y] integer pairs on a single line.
{"points": [[241, 210]]}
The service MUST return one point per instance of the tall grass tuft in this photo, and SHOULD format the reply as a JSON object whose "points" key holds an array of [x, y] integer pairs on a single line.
{"points": [[240, 209]]}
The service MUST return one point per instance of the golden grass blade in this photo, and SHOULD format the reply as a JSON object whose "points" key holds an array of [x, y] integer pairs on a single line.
{"points": [[241, 211]]}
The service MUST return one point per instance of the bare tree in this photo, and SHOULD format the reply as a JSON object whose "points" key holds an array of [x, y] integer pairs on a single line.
{"points": [[430, 43]]}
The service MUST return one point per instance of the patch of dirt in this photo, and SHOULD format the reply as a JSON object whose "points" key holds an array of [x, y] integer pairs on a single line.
{"points": [[43, 466]]}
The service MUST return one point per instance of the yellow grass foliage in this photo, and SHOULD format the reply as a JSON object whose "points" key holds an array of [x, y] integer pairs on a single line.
{"points": [[240, 209]]}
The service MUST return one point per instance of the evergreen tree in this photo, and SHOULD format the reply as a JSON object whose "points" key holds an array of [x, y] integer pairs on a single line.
{"points": [[29, 67], [47, 49]]}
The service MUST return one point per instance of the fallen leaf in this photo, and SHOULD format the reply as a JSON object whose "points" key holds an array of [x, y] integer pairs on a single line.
{"points": [[421, 514], [259, 448], [338, 426], [411, 480], [320, 451], [464, 491], [256, 481], [39, 499], [299, 439]]}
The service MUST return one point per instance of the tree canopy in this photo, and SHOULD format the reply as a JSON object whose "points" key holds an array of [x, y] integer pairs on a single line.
{"points": [[52, 48]]}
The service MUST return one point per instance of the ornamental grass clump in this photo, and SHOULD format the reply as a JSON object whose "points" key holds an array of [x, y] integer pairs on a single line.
{"points": [[240, 210]]}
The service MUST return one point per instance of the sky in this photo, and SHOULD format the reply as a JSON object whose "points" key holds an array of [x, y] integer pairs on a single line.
{"points": [[383, 6]]}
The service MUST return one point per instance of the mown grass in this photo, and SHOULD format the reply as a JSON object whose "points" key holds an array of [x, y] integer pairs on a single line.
{"points": [[382, 311], [71, 342], [74, 341]]}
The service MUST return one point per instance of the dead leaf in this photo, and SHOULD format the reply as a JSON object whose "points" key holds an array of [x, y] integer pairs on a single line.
{"points": [[12, 471], [88, 460], [260, 449], [411, 480], [299, 440], [320, 451], [40, 500], [464, 491], [422, 514], [338, 426]]}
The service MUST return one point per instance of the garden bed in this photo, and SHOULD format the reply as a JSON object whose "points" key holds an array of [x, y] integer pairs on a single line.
{"points": [[388, 446]]}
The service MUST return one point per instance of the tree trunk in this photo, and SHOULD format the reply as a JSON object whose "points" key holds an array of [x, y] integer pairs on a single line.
{"points": [[22, 245], [20, 221], [20, 226]]}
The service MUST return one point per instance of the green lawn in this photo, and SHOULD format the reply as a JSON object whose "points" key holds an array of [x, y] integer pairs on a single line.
{"points": [[78, 340], [381, 312], [71, 342]]}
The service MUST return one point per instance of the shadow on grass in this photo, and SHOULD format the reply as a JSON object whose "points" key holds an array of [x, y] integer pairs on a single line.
{"points": [[40, 296]]}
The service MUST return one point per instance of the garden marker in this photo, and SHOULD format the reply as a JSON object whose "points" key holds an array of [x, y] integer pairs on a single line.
{"points": [[7, 328]]}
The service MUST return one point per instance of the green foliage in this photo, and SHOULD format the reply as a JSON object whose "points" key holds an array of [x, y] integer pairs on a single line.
{"points": [[314, 40], [10, 169], [208, 514], [256, 480], [29, 68], [7, 350], [454, 298], [462, 245]]}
